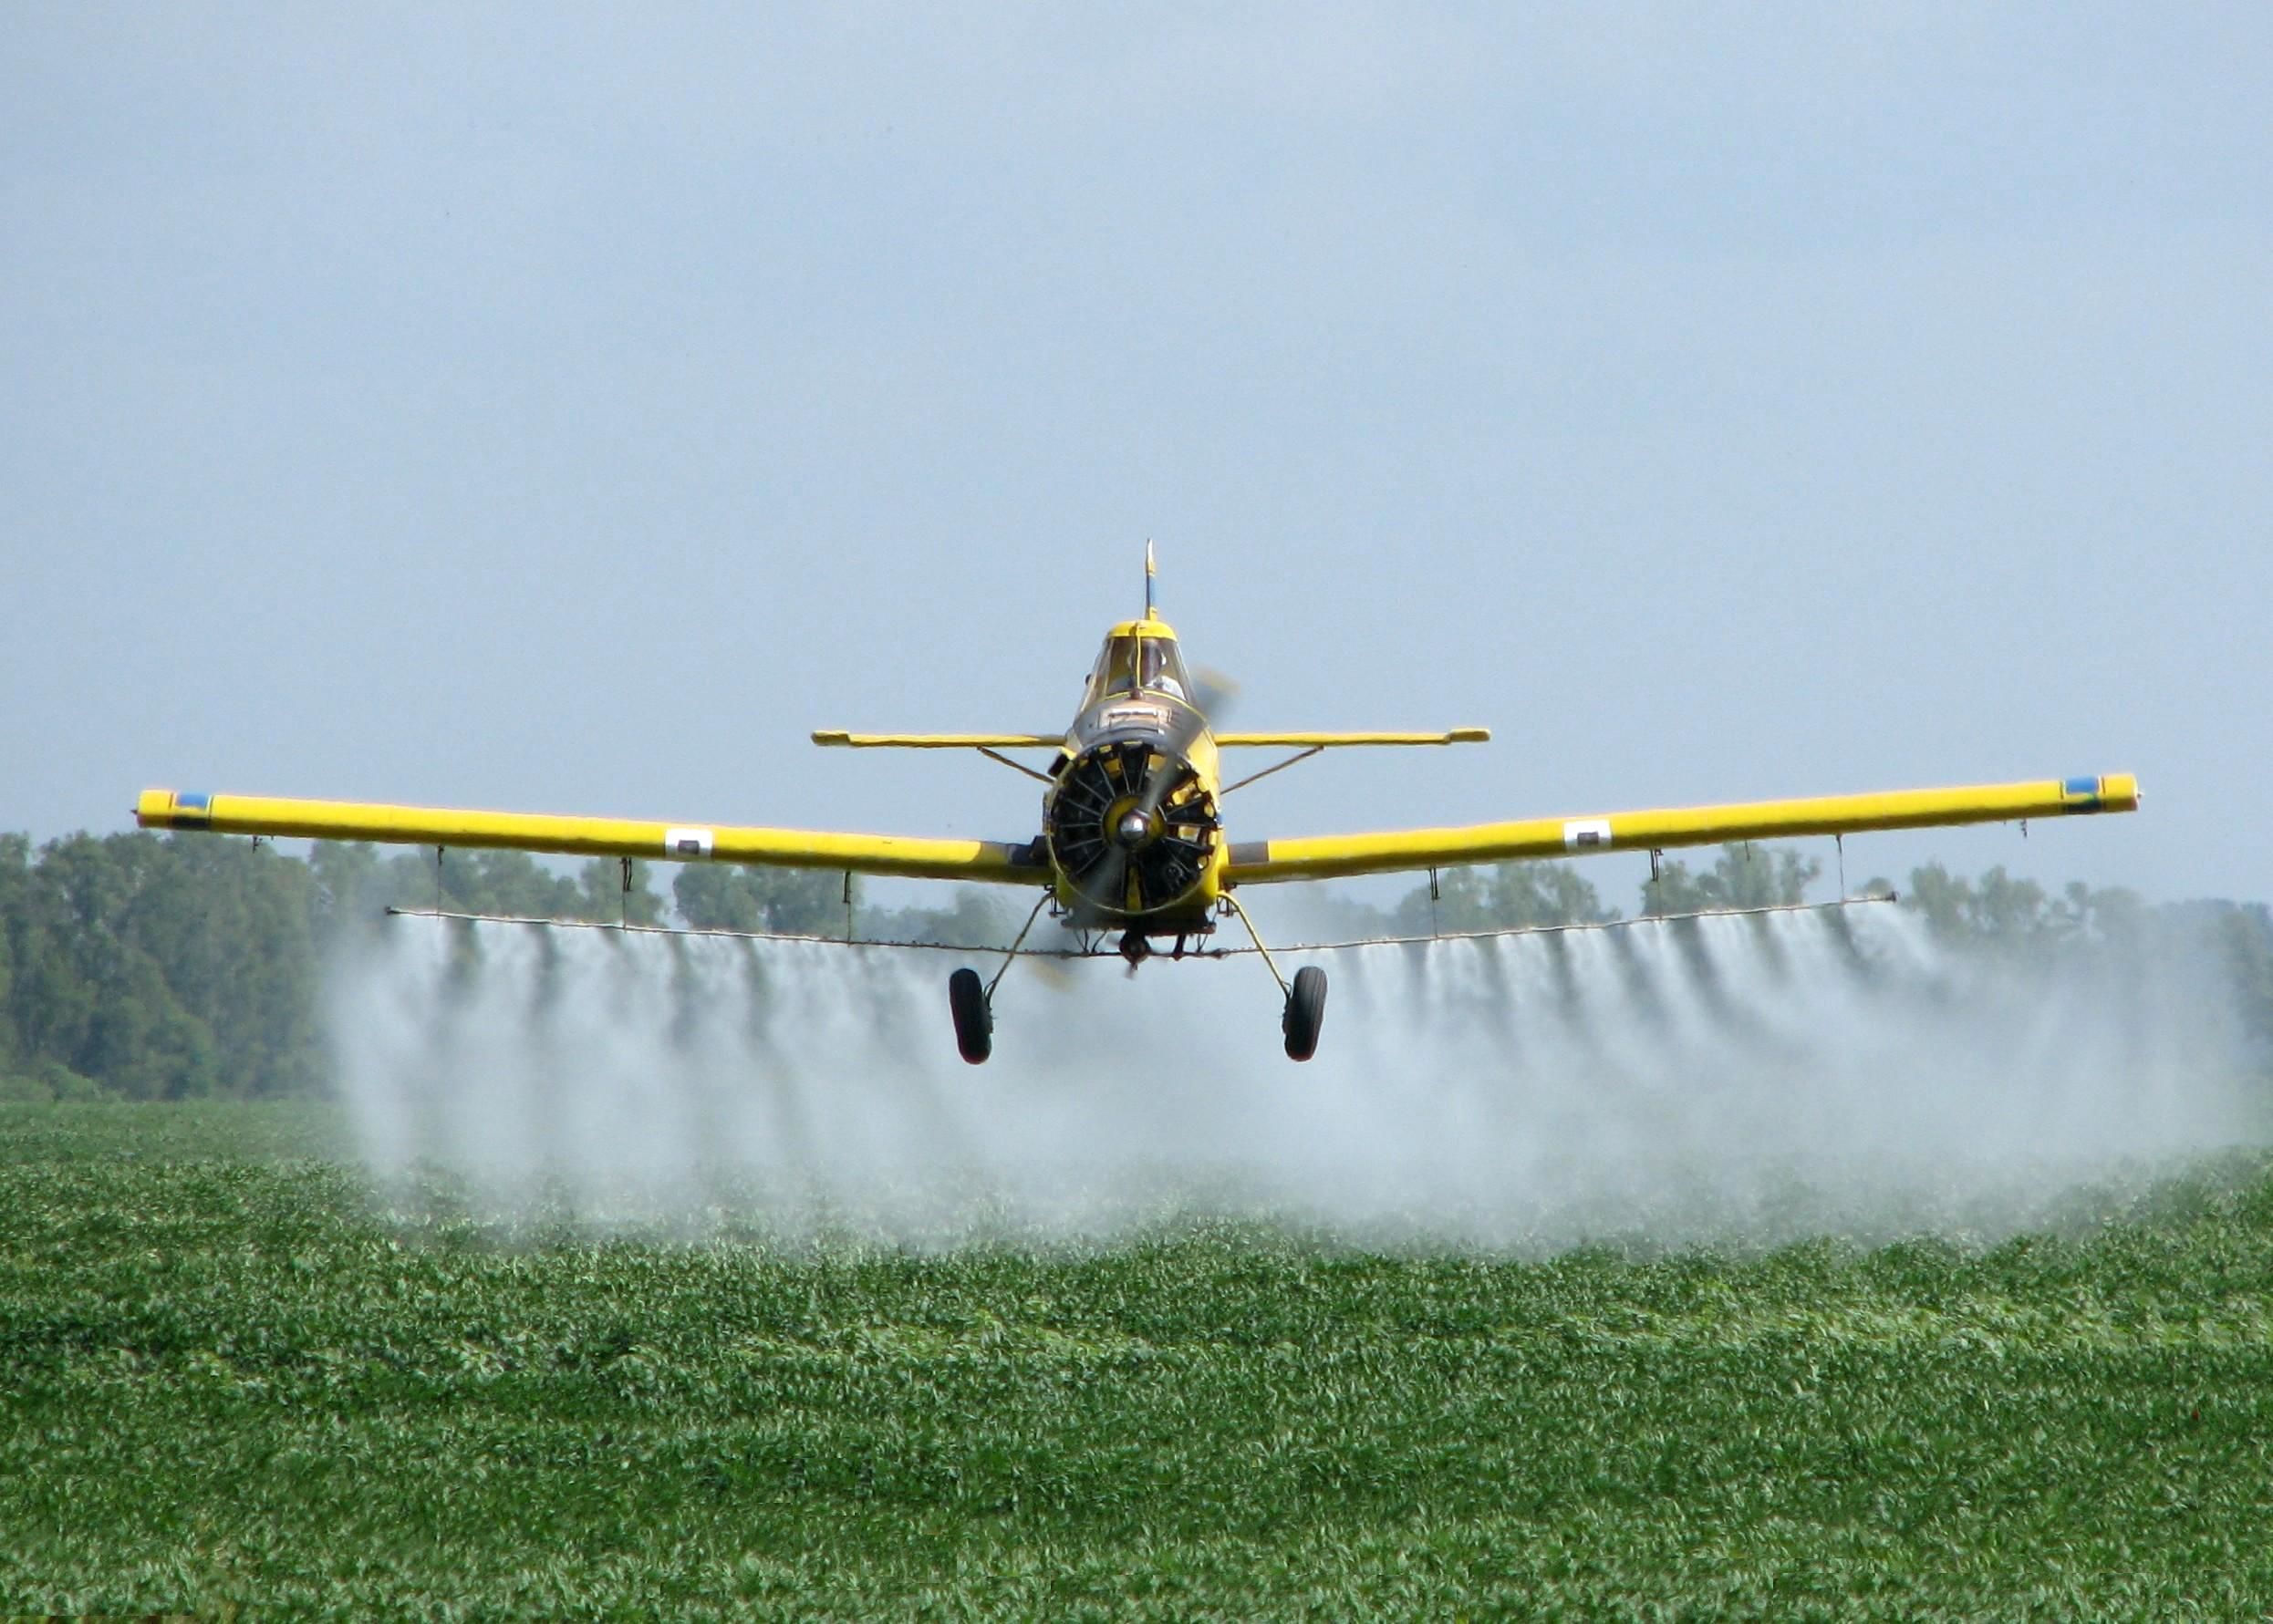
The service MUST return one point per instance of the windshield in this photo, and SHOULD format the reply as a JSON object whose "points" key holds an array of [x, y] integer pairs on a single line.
{"points": [[1134, 661]]}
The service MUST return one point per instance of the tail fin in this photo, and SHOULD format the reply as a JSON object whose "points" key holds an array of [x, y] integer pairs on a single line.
{"points": [[1149, 573]]}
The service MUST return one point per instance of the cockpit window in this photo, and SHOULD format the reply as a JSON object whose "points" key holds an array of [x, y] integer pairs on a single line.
{"points": [[1116, 670], [1135, 661], [1161, 670]]}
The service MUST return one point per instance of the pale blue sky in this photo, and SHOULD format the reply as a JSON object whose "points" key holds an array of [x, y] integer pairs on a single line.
{"points": [[569, 409]]}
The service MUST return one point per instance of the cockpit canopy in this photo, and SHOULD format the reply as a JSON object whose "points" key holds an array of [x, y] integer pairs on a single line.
{"points": [[1138, 656]]}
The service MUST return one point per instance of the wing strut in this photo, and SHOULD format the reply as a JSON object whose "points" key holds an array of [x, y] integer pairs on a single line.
{"points": [[1266, 773]]}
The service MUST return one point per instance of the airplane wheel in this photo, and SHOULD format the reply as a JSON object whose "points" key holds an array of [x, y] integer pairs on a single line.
{"points": [[1305, 1012], [974, 1019]]}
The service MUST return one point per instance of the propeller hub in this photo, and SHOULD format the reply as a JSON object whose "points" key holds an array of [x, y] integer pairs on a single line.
{"points": [[1132, 828]]}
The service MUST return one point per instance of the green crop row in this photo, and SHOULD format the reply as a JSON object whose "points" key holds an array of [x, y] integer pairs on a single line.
{"points": [[235, 1372]]}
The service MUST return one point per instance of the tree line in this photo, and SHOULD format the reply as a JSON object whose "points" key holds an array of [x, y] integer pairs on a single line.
{"points": [[148, 967]]}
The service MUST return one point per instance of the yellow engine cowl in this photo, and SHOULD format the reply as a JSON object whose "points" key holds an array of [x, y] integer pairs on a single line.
{"points": [[1133, 832]]}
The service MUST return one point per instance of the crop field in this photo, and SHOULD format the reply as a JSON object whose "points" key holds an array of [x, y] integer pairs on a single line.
{"points": [[238, 1373]]}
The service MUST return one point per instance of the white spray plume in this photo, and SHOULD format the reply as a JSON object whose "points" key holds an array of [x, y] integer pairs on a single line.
{"points": [[1730, 1079]]}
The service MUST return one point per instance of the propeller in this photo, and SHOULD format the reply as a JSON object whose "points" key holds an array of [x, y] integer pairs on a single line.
{"points": [[1132, 825], [1123, 810], [1213, 694]]}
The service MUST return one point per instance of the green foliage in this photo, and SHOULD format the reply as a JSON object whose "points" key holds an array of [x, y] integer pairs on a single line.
{"points": [[1743, 876], [1998, 910], [1505, 895], [14, 851], [729, 897], [162, 967], [603, 894], [357, 885], [972, 919], [257, 1384], [229, 925], [2244, 936], [45, 1082], [148, 967]]}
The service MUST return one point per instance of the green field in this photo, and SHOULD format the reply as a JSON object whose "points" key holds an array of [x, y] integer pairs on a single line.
{"points": [[233, 1374]]}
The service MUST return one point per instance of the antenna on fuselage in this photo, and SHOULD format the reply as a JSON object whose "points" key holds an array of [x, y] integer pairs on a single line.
{"points": [[1149, 571]]}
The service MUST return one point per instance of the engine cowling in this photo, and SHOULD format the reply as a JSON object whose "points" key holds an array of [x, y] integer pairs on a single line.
{"points": [[1133, 828]]}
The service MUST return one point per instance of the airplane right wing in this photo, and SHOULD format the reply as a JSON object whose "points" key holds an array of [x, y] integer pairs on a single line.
{"points": [[1235, 741], [1262, 862]]}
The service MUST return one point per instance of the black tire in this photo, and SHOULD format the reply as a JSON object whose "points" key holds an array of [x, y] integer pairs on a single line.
{"points": [[974, 1019], [1305, 1012]]}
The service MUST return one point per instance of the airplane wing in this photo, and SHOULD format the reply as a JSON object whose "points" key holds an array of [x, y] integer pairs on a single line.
{"points": [[1322, 857], [996, 862], [1329, 740], [842, 740]]}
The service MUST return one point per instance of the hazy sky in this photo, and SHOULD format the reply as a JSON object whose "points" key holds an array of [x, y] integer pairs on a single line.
{"points": [[569, 409]]}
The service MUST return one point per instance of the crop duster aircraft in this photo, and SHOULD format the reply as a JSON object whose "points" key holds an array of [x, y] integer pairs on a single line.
{"points": [[1133, 837]]}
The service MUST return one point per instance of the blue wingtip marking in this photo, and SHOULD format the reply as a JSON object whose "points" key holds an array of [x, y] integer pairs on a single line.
{"points": [[2080, 786], [196, 800]]}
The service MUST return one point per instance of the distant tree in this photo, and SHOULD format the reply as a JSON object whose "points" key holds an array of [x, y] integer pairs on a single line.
{"points": [[971, 919], [1999, 910], [229, 925], [348, 886], [1743, 876], [1503, 897], [1329, 914], [158, 968], [735, 896], [2244, 938], [601, 895], [2010, 909], [41, 1082], [1946, 900], [94, 998], [15, 863], [2114, 912], [513, 885], [354, 884]]}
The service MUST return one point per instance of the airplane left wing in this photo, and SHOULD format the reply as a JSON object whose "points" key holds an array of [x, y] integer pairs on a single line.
{"points": [[842, 740], [993, 862], [1322, 857]]}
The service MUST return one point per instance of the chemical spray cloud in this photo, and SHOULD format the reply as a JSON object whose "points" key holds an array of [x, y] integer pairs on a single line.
{"points": [[1728, 1081]]}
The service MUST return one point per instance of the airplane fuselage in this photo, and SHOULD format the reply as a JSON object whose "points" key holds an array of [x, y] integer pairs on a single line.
{"points": [[1129, 820]]}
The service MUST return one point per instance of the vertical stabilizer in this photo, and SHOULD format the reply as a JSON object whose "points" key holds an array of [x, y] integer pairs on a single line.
{"points": [[1149, 573]]}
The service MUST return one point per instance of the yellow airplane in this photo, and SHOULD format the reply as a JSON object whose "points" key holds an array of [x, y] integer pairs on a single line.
{"points": [[1132, 834]]}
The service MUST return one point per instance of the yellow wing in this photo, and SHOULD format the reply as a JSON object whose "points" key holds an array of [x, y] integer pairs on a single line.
{"points": [[998, 861], [1329, 740], [839, 738], [1327, 856]]}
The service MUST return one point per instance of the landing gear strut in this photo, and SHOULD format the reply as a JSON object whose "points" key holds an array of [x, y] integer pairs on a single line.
{"points": [[971, 1000], [1305, 1001]]}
